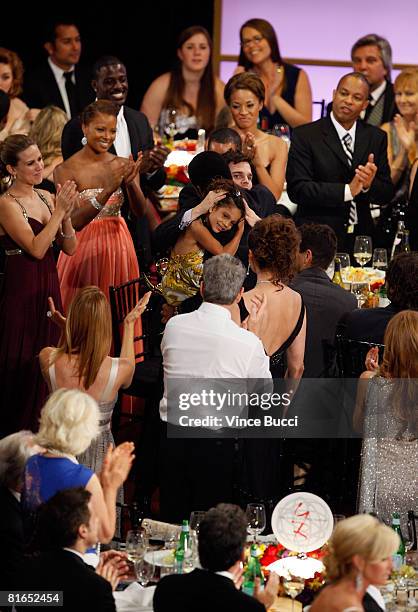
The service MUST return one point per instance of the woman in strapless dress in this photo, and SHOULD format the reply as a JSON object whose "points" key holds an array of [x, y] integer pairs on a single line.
{"points": [[106, 254]]}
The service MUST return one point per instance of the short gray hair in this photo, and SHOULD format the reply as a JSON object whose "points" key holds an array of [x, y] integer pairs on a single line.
{"points": [[15, 450], [223, 277], [69, 422], [381, 43]]}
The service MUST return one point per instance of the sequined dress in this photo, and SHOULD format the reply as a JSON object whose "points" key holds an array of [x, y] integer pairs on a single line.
{"points": [[389, 461], [182, 277], [105, 253]]}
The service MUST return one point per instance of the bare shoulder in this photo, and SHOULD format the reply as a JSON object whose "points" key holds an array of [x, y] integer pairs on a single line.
{"points": [[160, 84], [239, 70], [278, 145], [19, 105]]}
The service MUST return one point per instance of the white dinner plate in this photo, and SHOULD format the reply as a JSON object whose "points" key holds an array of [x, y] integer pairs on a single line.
{"points": [[159, 558]]}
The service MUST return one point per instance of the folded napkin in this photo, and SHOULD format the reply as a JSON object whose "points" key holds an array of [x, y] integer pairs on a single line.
{"points": [[135, 598], [160, 531]]}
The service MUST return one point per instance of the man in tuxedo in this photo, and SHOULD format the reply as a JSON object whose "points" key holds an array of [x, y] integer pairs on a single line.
{"points": [[67, 527], [60, 80], [222, 537], [338, 165]]}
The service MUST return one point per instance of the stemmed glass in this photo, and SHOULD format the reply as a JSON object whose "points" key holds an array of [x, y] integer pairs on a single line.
{"points": [[345, 265], [145, 568], [362, 249], [380, 259], [196, 517], [135, 545], [293, 586], [256, 519], [360, 291]]}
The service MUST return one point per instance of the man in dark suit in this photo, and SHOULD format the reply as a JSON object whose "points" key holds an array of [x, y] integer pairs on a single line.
{"points": [[60, 80], [370, 324], [338, 165], [325, 301], [67, 527], [222, 537]]}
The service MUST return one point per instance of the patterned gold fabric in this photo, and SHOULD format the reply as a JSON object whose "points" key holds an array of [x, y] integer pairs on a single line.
{"points": [[182, 277]]}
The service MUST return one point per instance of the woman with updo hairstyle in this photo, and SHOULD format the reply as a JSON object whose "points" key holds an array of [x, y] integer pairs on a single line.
{"points": [[360, 555], [190, 95], [288, 96], [47, 130], [244, 95], [30, 220], [106, 254], [11, 81]]}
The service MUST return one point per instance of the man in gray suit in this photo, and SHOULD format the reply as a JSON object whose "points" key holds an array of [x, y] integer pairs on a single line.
{"points": [[325, 301]]}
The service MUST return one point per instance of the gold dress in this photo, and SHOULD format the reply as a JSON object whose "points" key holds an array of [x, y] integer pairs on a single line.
{"points": [[182, 278]]}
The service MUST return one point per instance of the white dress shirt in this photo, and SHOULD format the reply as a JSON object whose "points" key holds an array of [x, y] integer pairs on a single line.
{"points": [[206, 343], [122, 142], [341, 131], [60, 79]]}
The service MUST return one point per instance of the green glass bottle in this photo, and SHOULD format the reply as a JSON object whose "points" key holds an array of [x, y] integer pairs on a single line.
{"points": [[252, 572], [337, 278], [182, 547], [399, 556]]}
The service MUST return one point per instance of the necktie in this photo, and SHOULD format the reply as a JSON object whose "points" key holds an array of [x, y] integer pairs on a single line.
{"points": [[71, 93], [347, 145]]}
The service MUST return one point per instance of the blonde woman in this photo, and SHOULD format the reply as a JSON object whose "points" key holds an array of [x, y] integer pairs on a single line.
{"points": [[69, 422], [46, 131], [360, 555], [82, 361]]}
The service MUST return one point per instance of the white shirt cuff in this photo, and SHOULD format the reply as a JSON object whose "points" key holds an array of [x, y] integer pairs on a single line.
{"points": [[186, 219], [348, 196]]}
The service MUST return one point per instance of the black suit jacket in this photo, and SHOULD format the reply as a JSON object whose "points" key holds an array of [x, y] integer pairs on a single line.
{"points": [[140, 134], [368, 324], [204, 591], [40, 87], [11, 539], [325, 304], [65, 571], [318, 170]]}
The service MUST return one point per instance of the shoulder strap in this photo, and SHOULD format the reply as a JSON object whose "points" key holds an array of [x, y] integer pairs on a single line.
{"points": [[111, 380], [52, 377], [44, 200], [22, 208], [297, 328]]}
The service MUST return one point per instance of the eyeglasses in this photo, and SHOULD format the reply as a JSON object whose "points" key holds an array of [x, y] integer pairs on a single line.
{"points": [[255, 39]]}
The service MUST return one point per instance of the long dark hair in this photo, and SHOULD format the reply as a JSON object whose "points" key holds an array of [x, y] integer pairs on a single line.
{"points": [[206, 101], [266, 30]]}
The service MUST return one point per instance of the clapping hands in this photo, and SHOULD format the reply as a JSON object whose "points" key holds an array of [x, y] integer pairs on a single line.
{"points": [[66, 198], [405, 131], [116, 465]]}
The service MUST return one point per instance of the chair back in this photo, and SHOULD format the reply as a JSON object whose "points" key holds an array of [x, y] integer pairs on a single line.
{"points": [[321, 109], [351, 356]]}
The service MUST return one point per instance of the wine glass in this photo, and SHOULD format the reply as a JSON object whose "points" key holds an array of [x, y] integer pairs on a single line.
{"points": [[256, 519], [281, 130], [344, 259], [362, 249], [196, 517], [144, 568], [135, 545], [293, 586], [360, 290], [380, 259]]}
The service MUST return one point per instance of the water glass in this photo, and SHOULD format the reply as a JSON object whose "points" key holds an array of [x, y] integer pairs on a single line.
{"points": [[256, 519], [293, 586], [380, 259], [360, 290], [135, 545], [144, 568], [344, 259], [363, 249]]}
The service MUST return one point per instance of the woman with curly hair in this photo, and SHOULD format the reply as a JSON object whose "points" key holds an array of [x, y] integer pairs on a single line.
{"points": [[360, 555], [11, 79]]}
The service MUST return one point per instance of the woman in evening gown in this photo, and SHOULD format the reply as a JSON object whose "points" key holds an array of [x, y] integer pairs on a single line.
{"points": [[106, 254], [387, 410], [30, 220]]}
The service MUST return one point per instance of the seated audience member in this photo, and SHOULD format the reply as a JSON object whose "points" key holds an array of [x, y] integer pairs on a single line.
{"points": [[369, 324], [222, 537], [69, 422], [386, 414], [191, 91], [325, 301], [15, 450], [82, 361], [46, 131], [67, 527], [59, 80], [360, 555], [241, 169], [244, 94], [223, 140], [206, 343], [11, 78]]}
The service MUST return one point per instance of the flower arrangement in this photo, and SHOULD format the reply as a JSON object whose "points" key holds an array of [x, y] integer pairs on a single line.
{"points": [[176, 175]]}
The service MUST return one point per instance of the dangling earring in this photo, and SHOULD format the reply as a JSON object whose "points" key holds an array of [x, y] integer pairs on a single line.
{"points": [[248, 270], [359, 581], [84, 141]]}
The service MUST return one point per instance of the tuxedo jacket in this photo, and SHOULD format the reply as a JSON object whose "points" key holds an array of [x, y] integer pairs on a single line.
{"points": [[318, 170], [65, 571], [140, 134], [204, 591], [40, 87], [367, 324]]}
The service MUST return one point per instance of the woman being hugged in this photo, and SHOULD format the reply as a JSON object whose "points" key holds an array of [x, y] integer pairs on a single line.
{"points": [[191, 89], [288, 97], [244, 94], [30, 220]]}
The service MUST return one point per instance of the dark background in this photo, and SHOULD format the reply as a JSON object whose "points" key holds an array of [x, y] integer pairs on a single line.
{"points": [[143, 35]]}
